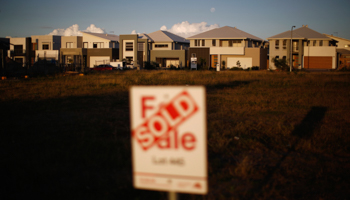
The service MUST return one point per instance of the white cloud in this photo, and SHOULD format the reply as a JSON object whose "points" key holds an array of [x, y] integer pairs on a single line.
{"points": [[185, 29], [212, 10], [74, 30]]}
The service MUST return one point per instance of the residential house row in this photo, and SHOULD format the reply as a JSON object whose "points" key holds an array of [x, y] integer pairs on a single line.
{"points": [[224, 47]]}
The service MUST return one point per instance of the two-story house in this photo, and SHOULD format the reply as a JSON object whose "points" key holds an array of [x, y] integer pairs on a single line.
{"points": [[309, 49], [343, 51], [21, 51], [101, 48], [72, 54], [163, 47], [46, 47], [228, 47]]}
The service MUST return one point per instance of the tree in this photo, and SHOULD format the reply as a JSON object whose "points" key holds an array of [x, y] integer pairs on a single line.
{"points": [[281, 64]]}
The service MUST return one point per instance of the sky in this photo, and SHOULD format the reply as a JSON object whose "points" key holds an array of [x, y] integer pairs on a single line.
{"points": [[262, 18]]}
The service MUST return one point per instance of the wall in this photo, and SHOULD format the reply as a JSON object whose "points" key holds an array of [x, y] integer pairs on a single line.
{"points": [[322, 52], [200, 53], [76, 40], [90, 39], [227, 50]]}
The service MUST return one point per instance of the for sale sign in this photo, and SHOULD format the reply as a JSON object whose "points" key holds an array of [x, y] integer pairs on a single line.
{"points": [[168, 128]]}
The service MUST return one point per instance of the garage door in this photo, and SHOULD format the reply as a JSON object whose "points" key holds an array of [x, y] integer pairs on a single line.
{"points": [[313, 62], [99, 60]]}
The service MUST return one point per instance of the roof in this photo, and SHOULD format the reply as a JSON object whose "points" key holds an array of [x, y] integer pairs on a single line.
{"points": [[335, 37], [165, 36], [343, 51], [225, 32], [110, 37], [303, 32]]}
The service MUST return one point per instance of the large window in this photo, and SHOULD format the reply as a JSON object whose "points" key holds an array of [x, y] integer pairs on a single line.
{"points": [[69, 45], [46, 46], [321, 43], [213, 43], [314, 43], [277, 44], [129, 46], [284, 44], [203, 43], [98, 45], [161, 46]]}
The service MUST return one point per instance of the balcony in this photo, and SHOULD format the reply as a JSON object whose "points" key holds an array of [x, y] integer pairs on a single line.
{"points": [[18, 52]]}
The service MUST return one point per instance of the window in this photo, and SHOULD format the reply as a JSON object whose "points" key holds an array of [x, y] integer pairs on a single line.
{"points": [[203, 43], [85, 45], [284, 44], [277, 44], [230, 43], [213, 43], [69, 45], [35, 46], [129, 60], [161, 46], [46, 46], [129, 46], [347, 45], [314, 43], [98, 45], [321, 43], [284, 57], [195, 43], [140, 46]]}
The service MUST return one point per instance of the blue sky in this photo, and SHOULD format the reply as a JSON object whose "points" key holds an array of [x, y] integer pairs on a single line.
{"points": [[262, 18]]}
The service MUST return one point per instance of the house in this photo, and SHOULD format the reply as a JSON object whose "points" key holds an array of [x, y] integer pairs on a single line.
{"points": [[343, 51], [163, 47], [228, 47], [168, 49], [21, 51], [72, 54], [309, 49], [46, 47], [100, 48]]}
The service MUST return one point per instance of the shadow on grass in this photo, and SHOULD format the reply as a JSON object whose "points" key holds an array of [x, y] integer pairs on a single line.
{"points": [[68, 148], [305, 131]]}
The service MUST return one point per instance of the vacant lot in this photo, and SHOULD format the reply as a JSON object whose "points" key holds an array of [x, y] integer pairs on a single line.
{"points": [[270, 135]]}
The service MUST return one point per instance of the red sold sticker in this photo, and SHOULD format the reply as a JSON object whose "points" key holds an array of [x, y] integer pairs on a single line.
{"points": [[161, 126]]}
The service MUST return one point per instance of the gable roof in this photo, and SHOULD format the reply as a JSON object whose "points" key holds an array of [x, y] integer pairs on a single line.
{"points": [[165, 36], [110, 37], [225, 32], [303, 32], [336, 38]]}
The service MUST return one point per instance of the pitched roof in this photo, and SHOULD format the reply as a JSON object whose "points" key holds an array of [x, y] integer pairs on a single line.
{"points": [[335, 37], [303, 32], [225, 32], [165, 36], [104, 36]]}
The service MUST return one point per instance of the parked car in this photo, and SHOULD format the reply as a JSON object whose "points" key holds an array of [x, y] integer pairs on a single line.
{"points": [[103, 68]]}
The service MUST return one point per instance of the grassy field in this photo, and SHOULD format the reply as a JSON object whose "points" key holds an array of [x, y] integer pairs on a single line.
{"points": [[271, 135]]}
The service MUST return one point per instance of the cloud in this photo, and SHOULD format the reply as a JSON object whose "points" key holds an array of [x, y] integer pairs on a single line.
{"points": [[212, 10], [134, 32], [74, 30], [185, 29]]}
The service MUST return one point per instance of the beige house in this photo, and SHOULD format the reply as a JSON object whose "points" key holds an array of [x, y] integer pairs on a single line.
{"points": [[72, 53], [310, 49], [228, 47], [21, 51], [163, 47], [343, 51], [46, 46]]}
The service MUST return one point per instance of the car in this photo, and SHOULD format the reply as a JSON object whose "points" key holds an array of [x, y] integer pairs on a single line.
{"points": [[103, 68]]}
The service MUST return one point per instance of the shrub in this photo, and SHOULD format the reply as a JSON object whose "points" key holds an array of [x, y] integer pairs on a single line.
{"points": [[280, 64]]}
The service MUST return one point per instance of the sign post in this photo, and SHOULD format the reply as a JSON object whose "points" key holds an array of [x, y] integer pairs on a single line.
{"points": [[168, 127]]}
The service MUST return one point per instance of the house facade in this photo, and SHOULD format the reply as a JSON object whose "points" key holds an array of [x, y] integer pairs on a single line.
{"points": [[46, 47], [162, 47], [72, 54], [309, 49], [343, 51], [228, 47], [100, 48], [21, 51]]}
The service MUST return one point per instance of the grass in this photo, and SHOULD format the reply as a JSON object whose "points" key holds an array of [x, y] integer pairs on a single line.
{"points": [[271, 135]]}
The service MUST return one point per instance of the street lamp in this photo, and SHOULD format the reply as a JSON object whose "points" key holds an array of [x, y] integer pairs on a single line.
{"points": [[291, 49]]}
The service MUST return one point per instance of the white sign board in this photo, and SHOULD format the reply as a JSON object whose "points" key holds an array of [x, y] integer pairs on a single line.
{"points": [[169, 148]]}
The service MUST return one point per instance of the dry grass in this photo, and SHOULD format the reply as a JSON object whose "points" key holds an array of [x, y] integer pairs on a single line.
{"points": [[68, 137]]}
